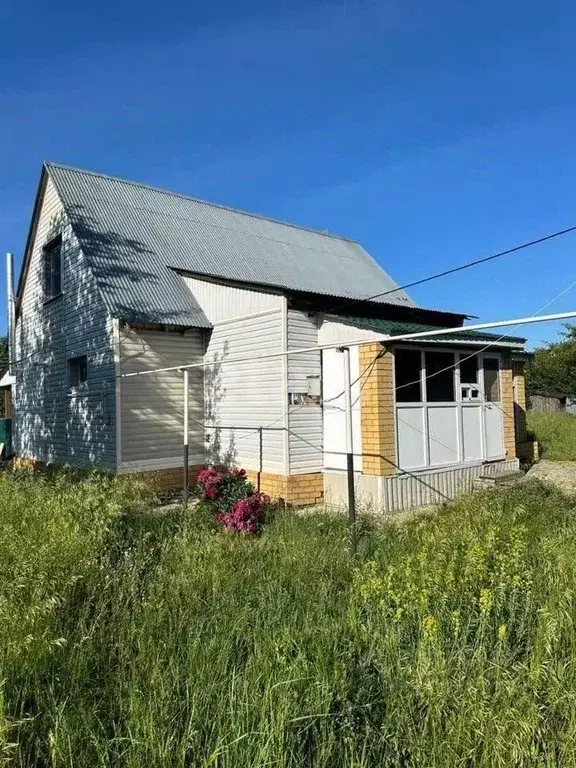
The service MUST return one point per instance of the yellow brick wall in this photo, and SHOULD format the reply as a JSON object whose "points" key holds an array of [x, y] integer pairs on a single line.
{"points": [[169, 479], [519, 384], [19, 462], [297, 490], [377, 410], [508, 406]]}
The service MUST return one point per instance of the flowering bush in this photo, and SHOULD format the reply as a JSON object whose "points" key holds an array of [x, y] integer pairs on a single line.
{"points": [[245, 515], [232, 498]]}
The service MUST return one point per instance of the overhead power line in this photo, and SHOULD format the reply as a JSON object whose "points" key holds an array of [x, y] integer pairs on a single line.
{"points": [[356, 343], [460, 268]]}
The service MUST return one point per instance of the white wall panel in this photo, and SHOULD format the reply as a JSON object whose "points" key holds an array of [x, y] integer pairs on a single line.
{"points": [[334, 413], [472, 432], [305, 421], [152, 406], [240, 397], [410, 437], [333, 332], [222, 302], [50, 423], [443, 435]]}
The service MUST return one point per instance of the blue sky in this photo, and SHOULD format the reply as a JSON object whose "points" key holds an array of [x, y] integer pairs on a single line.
{"points": [[434, 132]]}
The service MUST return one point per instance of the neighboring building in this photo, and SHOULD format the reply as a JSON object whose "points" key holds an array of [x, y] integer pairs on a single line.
{"points": [[550, 402], [118, 277]]}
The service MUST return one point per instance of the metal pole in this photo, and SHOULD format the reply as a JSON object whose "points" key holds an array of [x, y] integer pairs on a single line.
{"points": [[10, 308], [349, 449], [185, 456], [261, 453]]}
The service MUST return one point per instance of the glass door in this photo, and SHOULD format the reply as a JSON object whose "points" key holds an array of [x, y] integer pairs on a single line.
{"points": [[492, 408]]}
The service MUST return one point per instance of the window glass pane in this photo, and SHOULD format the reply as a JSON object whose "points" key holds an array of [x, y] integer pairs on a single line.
{"points": [[56, 283], [408, 370], [52, 269], [78, 371], [491, 379], [440, 377], [469, 369]]}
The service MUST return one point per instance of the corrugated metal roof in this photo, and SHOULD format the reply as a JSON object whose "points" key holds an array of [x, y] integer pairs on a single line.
{"points": [[398, 327], [135, 237]]}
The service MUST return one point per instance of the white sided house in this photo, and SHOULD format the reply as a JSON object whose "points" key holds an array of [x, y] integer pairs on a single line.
{"points": [[121, 278]]}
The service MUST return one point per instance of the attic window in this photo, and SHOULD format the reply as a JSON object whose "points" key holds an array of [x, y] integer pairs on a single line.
{"points": [[78, 372], [52, 255]]}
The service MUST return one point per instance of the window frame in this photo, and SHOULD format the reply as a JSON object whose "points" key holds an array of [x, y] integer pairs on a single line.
{"points": [[49, 250], [73, 365], [460, 402]]}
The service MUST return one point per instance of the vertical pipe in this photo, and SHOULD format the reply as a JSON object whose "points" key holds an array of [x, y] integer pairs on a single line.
{"points": [[261, 454], [10, 308], [185, 456], [349, 449]]}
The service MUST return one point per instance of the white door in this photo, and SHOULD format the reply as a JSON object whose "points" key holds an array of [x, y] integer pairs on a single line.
{"points": [[492, 408]]}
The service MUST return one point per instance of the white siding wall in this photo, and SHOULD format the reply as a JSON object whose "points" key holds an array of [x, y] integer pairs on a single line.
{"points": [[152, 406], [247, 394], [334, 413], [332, 332], [221, 302], [50, 424], [305, 421]]}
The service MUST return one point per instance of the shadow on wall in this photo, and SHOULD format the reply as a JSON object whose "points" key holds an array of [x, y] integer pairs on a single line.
{"points": [[118, 264], [55, 423], [218, 450], [153, 405]]}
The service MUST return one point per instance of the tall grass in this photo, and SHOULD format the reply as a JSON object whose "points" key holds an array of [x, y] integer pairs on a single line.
{"points": [[158, 641], [555, 433]]}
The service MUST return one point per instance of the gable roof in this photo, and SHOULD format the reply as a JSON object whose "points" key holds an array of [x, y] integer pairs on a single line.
{"points": [[136, 238]]}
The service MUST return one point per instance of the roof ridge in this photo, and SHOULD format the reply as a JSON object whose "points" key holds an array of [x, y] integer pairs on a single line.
{"points": [[220, 206]]}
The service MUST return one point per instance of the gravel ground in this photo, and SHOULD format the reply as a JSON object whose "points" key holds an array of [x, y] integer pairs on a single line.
{"points": [[561, 474]]}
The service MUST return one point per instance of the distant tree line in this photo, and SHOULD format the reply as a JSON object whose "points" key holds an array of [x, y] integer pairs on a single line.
{"points": [[553, 367]]}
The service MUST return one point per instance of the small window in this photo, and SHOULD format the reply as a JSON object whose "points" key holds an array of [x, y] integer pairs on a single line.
{"points": [[78, 372], [440, 377], [53, 268], [469, 369], [408, 370], [491, 379]]}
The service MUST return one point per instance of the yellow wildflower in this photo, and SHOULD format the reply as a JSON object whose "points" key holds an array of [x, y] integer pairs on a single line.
{"points": [[485, 601], [429, 625], [502, 632]]}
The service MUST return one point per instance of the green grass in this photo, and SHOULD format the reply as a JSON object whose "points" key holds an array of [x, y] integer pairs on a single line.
{"points": [[555, 433], [137, 641]]}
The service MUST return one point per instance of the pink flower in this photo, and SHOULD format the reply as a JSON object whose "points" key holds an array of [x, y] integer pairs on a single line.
{"points": [[245, 514]]}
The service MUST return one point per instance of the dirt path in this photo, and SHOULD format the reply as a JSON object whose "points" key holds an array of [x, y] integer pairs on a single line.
{"points": [[561, 474]]}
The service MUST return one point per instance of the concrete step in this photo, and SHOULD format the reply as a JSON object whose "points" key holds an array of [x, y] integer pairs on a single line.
{"points": [[498, 480]]}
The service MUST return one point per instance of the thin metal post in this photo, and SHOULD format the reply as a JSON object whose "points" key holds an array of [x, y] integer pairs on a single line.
{"points": [[261, 454], [10, 308], [349, 450], [185, 456]]}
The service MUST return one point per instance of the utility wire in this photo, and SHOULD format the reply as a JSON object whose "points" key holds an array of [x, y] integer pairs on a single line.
{"points": [[492, 343], [460, 268]]}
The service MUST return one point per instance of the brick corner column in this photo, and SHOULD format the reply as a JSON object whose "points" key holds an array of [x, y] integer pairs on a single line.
{"points": [[377, 410], [508, 406]]}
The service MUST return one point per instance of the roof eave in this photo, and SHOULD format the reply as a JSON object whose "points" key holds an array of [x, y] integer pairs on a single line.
{"points": [[30, 238]]}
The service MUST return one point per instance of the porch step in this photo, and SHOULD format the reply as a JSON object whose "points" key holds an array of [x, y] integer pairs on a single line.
{"points": [[485, 481]]}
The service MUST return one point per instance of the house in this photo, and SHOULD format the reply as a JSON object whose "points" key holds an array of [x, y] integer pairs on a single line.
{"points": [[122, 278]]}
